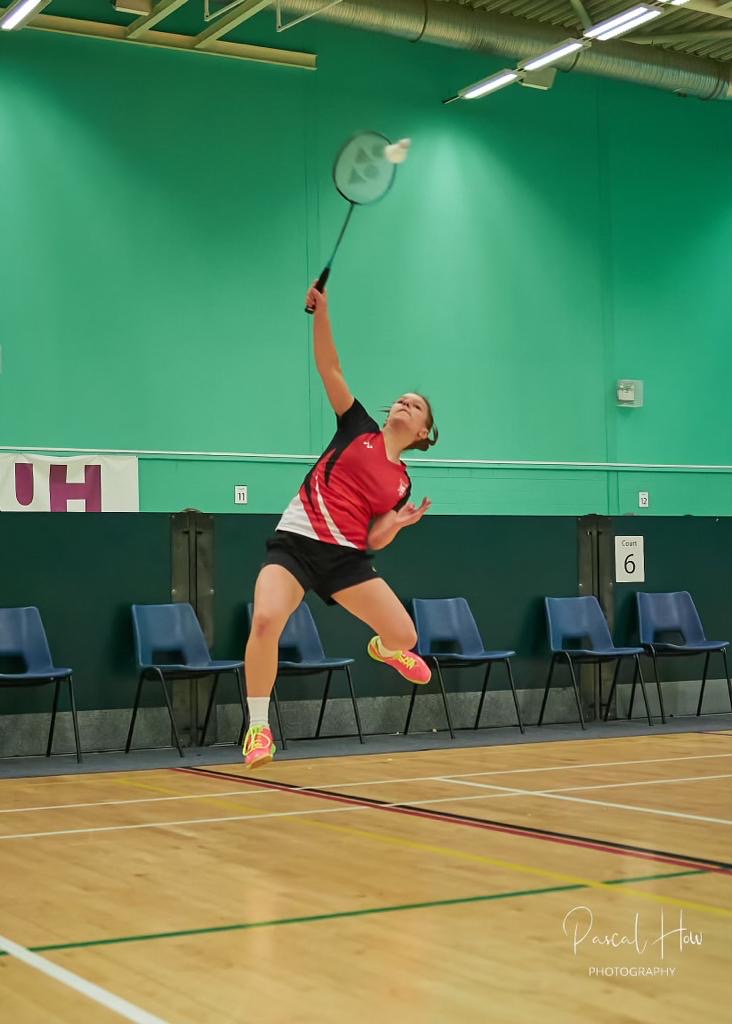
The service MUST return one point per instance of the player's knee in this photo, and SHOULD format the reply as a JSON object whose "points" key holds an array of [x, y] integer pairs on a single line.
{"points": [[266, 626], [407, 637]]}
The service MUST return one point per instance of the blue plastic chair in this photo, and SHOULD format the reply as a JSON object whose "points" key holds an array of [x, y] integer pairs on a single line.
{"points": [[672, 614], [449, 623], [302, 654], [23, 639], [169, 644], [580, 621]]}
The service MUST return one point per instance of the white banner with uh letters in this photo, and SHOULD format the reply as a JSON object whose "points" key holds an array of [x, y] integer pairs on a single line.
{"points": [[84, 483]]}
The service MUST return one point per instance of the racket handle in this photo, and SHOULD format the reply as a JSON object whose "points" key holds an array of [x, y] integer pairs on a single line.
{"points": [[320, 286]]}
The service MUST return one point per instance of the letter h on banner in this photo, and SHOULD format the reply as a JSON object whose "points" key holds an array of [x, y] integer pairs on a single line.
{"points": [[61, 492]]}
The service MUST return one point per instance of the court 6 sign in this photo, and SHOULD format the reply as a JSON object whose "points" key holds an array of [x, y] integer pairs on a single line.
{"points": [[629, 560]]}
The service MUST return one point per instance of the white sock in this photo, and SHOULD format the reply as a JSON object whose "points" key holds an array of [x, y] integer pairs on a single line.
{"points": [[384, 651], [258, 710]]}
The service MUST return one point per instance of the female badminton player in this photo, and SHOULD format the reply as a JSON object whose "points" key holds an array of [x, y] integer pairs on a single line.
{"points": [[353, 501]]}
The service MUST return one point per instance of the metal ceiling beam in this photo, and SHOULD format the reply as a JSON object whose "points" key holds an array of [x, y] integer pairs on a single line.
{"points": [[711, 36], [133, 6], [172, 41], [708, 7], [459, 27], [579, 9], [222, 26], [161, 10], [718, 8]]}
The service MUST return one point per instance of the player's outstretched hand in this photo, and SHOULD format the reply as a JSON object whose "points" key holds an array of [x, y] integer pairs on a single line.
{"points": [[411, 514]]}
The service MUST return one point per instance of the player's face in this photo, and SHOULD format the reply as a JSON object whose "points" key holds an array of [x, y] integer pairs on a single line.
{"points": [[410, 410]]}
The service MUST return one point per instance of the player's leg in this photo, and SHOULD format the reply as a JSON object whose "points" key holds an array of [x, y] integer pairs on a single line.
{"points": [[376, 604], [276, 596]]}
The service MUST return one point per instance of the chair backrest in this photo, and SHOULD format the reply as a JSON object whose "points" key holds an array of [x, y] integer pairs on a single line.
{"points": [[445, 624], [23, 637], [578, 620], [168, 633], [668, 613], [300, 640]]}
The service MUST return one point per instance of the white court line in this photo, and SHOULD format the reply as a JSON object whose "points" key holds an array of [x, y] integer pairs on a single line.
{"points": [[85, 988], [424, 803], [353, 785], [519, 771], [191, 821], [549, 795], [306, 788], [644, 782], [138, 800], [386, 782]]}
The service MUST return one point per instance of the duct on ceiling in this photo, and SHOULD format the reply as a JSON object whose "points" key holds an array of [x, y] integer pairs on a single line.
{"points": [[463, 28]]}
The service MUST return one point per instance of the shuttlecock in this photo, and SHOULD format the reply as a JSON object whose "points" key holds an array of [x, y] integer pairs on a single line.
{"points": [[397, 152]]}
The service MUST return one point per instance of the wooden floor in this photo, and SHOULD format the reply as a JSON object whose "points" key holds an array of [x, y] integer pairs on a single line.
{"points": [[515, 883]]}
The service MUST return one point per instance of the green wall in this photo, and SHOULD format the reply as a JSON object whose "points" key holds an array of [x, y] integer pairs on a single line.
{"points": [[162, 214]]}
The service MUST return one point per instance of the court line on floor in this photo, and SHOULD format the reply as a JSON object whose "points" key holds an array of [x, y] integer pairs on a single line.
{"points": [[563, 838], [354, 803], [550, 795], [625, 785], [96, 776], [119, 803], [505, 791], [340, 914], [512, 866], [74, 981], [522, 771]]}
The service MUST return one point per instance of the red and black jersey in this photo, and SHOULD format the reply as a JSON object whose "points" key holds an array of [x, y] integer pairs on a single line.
{"points": [[352, 482]]}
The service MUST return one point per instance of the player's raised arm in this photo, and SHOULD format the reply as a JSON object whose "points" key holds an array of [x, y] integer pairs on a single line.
{"points": [[326, 354]]}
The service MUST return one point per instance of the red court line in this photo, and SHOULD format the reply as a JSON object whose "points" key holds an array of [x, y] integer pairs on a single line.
{"points": [[563, 839]]}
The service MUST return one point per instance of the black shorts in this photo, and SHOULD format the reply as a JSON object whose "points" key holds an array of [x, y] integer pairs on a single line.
{"points": [[323, 568]]}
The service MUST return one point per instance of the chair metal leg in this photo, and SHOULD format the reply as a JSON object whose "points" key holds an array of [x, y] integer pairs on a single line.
{"points": [[658, 686], [703, 683], [576, 690], [49, 746], [279, 717], [723, 652], [209, 708], [75, 720], [546, 689], [323, 703], [444, 699], [411, 708], [632, 689], [483, 692], [612, 689], [519, 719], [168, 701], [354, 702], [639, 672], [244, 709], [134, 713]]}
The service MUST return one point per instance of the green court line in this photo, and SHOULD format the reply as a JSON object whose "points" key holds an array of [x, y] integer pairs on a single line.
{"points": [[336, 915]]}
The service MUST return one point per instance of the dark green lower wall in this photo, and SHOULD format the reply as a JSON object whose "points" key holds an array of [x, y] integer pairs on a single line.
{"points": [[84, 572]]}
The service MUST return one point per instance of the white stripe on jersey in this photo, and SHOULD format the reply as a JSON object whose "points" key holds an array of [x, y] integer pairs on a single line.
{"points": [[295, 520], [337, 535]]}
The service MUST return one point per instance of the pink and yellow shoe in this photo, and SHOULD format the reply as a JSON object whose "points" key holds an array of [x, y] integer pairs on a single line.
{"points": [[259, 747], [407, 663]]}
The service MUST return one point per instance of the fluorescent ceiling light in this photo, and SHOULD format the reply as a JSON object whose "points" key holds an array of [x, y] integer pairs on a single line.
{"points": [[497, 81], [629, 26], [21, 11], [552, 56], [597, 31]]}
